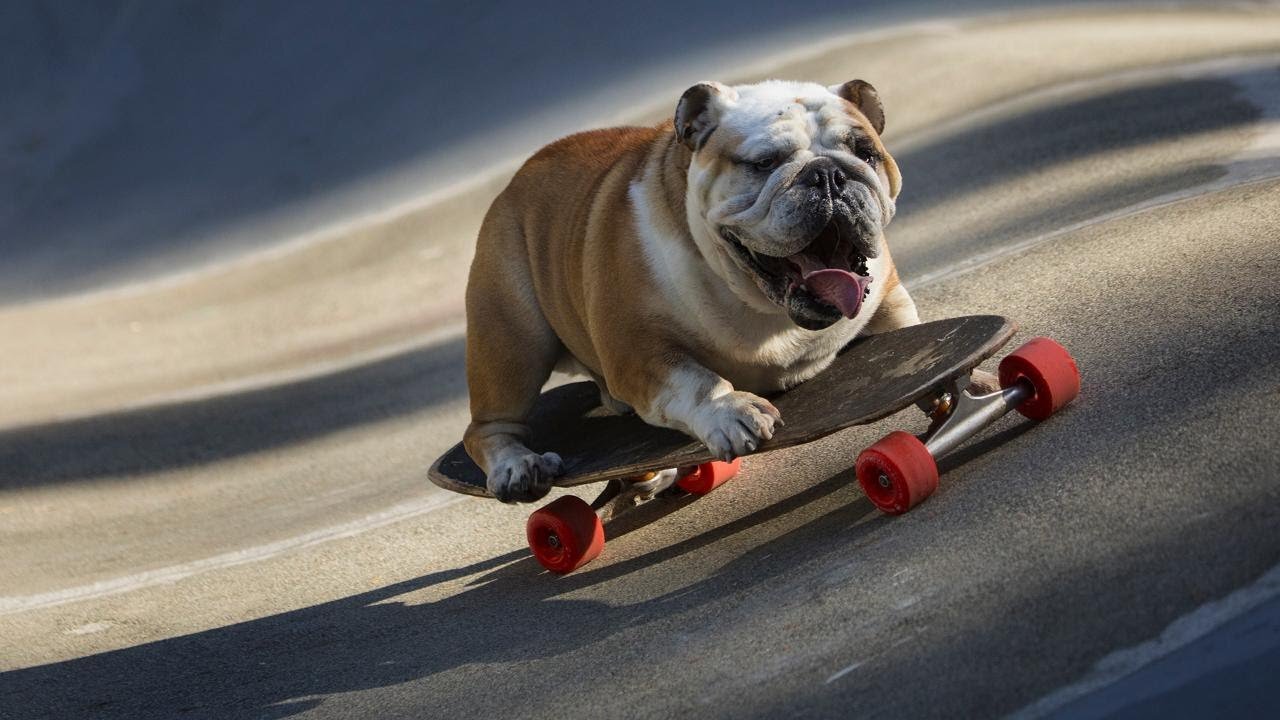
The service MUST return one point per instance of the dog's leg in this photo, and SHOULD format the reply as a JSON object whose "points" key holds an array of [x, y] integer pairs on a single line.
{"points": [[511, 351], [611, 403], [730, 422], [683, 395], [508, 360]]}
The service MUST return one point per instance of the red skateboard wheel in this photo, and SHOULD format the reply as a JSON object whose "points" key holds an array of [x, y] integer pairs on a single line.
{"points": [[565, 534], [897, 473], [1049, 369], [709, 476]]}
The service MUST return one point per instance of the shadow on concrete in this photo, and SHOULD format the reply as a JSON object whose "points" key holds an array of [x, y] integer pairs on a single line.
{"points": [[916, 255], [1032, 634], [137, 139], [967, 162], [202, 431], [1116, 455], [1070, 131], [273, 667]]}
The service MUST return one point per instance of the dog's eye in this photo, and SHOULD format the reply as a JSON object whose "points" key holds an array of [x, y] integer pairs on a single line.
{"points": [[765, 164], [866, 152]]}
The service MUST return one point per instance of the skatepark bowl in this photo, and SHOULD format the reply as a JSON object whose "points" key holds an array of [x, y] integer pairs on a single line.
{"points": [[233, 251]]}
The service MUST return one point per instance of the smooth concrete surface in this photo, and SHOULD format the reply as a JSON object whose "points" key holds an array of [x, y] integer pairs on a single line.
{"points": [[212, 483]]}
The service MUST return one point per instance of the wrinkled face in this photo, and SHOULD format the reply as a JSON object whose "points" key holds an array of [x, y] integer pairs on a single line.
{"points": [[792, 183]]}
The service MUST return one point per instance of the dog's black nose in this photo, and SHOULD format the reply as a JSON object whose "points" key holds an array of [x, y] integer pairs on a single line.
{"points": [[823, 173]]}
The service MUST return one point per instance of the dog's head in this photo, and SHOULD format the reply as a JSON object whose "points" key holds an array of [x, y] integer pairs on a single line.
{"points": [[790, 183]]}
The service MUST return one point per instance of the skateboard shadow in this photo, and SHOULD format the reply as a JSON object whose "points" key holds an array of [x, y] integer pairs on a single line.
{"points": [[509, 610]]}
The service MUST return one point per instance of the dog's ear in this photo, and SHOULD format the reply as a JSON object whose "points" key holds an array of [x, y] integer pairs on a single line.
{"points": [[865, 98], [698, 112]]}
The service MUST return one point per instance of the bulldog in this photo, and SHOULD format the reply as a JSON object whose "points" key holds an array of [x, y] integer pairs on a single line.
{"points": [[689, 269]]}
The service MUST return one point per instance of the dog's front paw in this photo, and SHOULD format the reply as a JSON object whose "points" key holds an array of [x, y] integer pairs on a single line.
{"points": [[524, 478], [736, 424]]}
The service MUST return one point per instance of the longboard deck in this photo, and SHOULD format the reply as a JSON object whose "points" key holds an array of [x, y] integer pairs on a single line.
{"points": [[872, 378]]}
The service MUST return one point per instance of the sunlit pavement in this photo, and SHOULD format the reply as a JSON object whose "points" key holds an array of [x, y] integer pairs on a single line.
{"points": [[212, 487]]}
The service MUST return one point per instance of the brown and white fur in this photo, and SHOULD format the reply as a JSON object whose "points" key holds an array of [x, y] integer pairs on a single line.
{"points": [[638, 256]]}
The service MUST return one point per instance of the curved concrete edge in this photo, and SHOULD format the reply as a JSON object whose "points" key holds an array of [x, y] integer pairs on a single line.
{"points": [[365, 291]]}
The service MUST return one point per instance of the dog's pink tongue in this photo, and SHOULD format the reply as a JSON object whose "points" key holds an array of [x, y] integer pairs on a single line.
{"points": [[841, 288]]}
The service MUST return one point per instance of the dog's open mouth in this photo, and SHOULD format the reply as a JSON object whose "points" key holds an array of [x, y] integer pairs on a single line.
{"points": [[830, 271]]}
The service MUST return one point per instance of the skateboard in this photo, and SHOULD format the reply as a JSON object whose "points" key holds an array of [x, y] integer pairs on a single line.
{"points": [[927, 365]]}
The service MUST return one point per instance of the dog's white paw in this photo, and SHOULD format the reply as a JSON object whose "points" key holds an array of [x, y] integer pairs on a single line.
{"points": [[524, 477], [735, 424]]}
